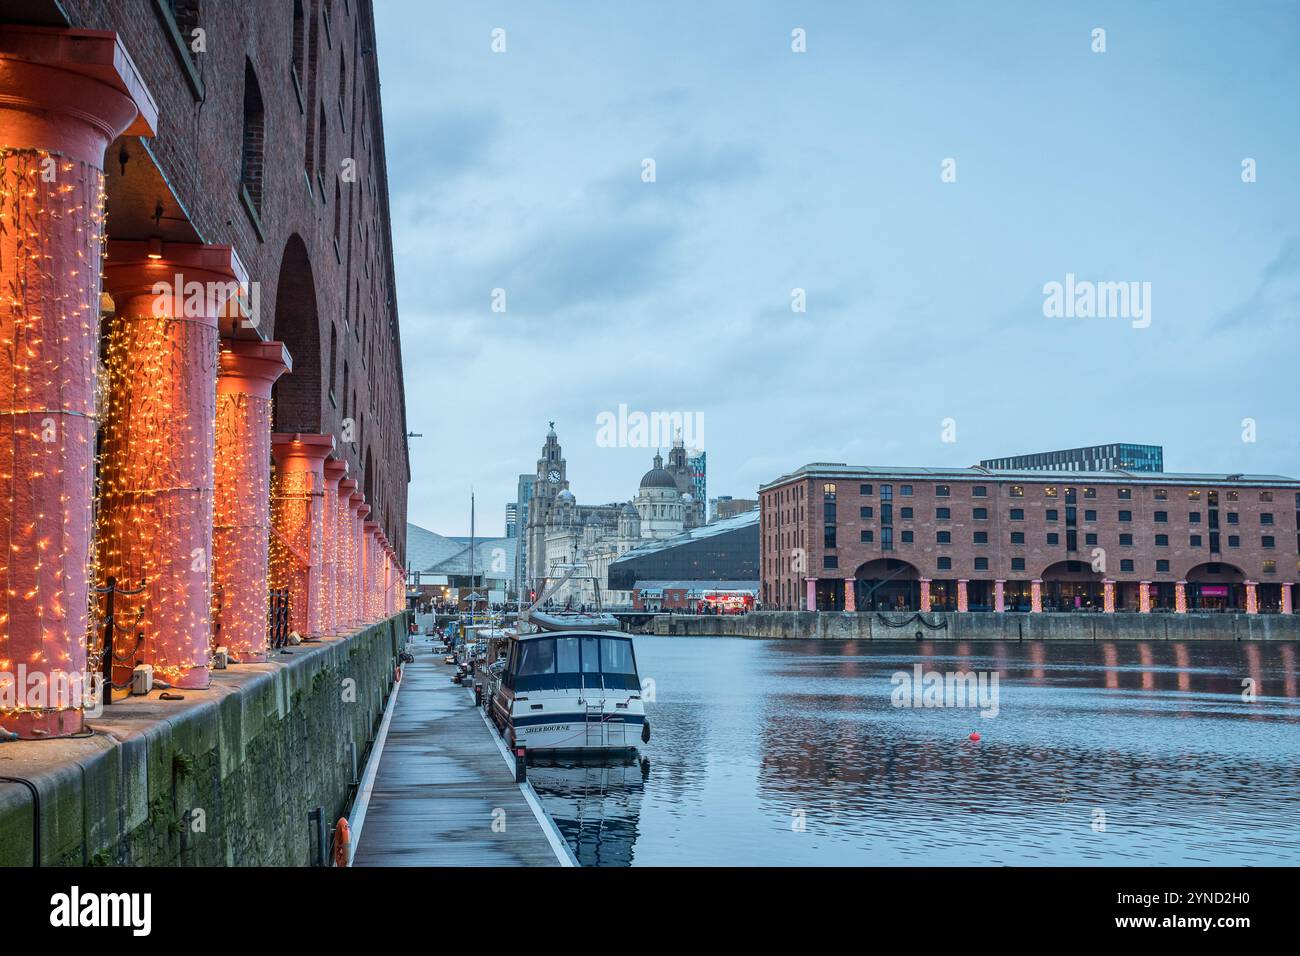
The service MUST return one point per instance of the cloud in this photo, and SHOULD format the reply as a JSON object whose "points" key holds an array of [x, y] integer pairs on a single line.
{"points": [[1276, 299], [683, 177]]}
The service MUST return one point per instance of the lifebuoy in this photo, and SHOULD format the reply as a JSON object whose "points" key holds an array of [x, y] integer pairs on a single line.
{"points": [[342, 837]]}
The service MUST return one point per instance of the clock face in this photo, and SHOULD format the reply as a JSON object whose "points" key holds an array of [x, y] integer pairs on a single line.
{"points": [[553, 476]]}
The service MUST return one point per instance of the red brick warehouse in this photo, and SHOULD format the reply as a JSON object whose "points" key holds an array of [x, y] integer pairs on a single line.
{"points": [[200, 372], [842, 538]]}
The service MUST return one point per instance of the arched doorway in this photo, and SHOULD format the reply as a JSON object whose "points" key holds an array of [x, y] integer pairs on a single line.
{"points": [[887, 584], [297, 396], [1072, 586], [1215, 586]]}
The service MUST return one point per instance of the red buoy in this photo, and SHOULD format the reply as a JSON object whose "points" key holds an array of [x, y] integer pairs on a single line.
{"points": [[975, 737]]}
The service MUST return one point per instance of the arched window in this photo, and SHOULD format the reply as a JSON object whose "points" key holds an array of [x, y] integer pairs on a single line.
{"points": [[250, 170], [322, 135], [299, 42]]}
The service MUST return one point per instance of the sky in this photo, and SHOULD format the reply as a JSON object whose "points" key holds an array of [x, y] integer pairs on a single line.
{"points": [[924, 338]]}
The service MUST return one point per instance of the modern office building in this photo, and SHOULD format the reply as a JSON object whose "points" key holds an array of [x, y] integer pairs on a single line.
{"points": [[836, 537], [725, 506], [512, 518], [697, 470], [523, 494], [1118, 457], [718, 552]]}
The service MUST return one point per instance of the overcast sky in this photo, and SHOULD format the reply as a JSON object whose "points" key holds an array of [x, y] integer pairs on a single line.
{"points": [[775, 170]]}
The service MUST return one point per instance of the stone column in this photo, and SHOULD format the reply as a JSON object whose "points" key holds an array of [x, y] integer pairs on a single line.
{"points": [[372, 571], [298, 526], [925, 595], [363, 563], [1144, 597], [1180, 597], [1108, 596], [386, 561], [999, 595], [812, 593], [850, 594], [1252, 597], [358, 509], [345, 586], [157, 458], [1036, 596], [335, 471], [242, 502], [1287, 607], [962, 601], [64, 95]]}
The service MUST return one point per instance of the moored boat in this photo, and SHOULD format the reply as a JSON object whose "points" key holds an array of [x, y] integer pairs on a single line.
{"points": [[571, 691]]}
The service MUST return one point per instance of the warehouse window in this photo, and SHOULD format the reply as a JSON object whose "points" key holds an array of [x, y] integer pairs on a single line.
{"points": [[250, 168]]}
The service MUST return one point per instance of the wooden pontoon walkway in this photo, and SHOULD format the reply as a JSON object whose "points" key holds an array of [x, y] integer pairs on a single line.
{"points": [[442, 781]]}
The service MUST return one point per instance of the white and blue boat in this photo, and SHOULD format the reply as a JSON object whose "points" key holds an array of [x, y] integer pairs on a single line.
{"points": [[571, 691]]}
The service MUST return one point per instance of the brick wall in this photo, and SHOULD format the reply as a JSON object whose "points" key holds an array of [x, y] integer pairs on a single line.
{"points": [[310, 280], [793, 541]]}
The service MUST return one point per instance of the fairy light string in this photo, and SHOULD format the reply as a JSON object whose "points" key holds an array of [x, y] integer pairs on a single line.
{"points": [[51, 234]]}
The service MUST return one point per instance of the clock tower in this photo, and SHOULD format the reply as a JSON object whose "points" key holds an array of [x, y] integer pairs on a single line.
{"points": [[551, 480]]}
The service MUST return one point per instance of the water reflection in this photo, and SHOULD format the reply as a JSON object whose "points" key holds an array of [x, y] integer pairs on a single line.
{"points": [[595, 805], [792, 752]]}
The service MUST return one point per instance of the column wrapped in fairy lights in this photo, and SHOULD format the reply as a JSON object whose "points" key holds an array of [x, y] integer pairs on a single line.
{"points": [[345, 590], [335, 471], [157, 449], [384, 579], [925, 595], [371, 544], [1252, 597], [397, 588], [64, 95], [962, 604], [1144, 597], [359, 533], [1287, 598], [242, 504], [1036, 596], [1108, 596], [298, 526], [1180, 597], [1000, 595]]}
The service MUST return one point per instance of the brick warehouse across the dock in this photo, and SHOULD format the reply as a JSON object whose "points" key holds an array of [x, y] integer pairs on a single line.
{"points": [[210, 146], [842, 538]]}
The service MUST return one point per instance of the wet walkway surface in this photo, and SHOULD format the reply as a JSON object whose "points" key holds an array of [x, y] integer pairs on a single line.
{"points": [[444, 794]]}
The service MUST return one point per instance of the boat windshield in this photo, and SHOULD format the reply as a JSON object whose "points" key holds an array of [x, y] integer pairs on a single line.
{"points": [[572, 662]]}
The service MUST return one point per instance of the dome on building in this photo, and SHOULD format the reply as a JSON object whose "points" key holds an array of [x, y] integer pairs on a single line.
{"points": [[658, 478], [688, 497], [566, 496], [630, 511]]}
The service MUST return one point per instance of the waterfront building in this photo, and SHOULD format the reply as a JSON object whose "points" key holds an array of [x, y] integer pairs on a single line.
{"points": [[1122, 456], [838, 537], [559, 530], [214, 370], [721, 551], [450, 567], [693, 597]]}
